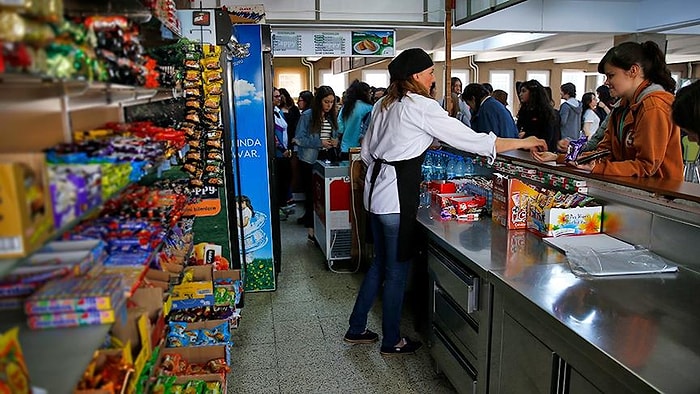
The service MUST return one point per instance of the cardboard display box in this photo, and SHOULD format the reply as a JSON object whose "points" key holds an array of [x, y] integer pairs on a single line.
{"points": [[554, 222], [205, 325], [26, 218], [226, 281], [196, 355], [199, 292], [510, 201]]}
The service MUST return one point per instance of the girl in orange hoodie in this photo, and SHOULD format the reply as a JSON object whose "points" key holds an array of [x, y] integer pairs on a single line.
{"points": [[642, 138]]}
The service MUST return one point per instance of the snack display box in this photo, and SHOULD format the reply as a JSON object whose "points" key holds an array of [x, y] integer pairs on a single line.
{"points": [[76, 294]]}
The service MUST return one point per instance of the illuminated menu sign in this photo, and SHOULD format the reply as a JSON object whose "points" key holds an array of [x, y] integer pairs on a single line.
{"points": [[332, 43]]}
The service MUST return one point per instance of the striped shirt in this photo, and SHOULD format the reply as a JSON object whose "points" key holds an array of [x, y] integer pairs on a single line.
{"points": [[326, 130]]}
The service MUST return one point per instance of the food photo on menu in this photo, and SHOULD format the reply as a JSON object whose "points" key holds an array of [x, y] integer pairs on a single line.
{"points": [[368, 43]]}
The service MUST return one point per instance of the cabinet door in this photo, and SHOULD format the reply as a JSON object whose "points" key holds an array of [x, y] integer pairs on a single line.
{"points": [[527, 365], [577, 384]]}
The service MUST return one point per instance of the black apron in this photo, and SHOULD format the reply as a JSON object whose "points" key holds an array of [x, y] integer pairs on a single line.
{"points": [[408, 179]]}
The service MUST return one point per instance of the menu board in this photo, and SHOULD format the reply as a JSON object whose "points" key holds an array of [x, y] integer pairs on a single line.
{"points": [[336, 43]]}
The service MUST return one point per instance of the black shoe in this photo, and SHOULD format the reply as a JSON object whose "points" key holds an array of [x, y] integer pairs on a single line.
{"points": [[366, 337], [409, 348], [300, 220]]}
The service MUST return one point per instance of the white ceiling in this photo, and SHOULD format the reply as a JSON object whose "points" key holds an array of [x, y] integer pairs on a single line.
{"points": [[566, 31]]}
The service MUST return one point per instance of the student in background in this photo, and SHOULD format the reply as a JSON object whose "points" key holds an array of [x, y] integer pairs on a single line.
{"points": [[487, 113], [605, 101], [461, 112], [536, 116], [317, 136], [283, 168], [590, 121], [356, 105], [570, 112], [500, 96], [686, 110]]}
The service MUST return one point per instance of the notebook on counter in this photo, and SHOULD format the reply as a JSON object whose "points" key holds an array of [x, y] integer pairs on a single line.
{"points": [[597, 242]]}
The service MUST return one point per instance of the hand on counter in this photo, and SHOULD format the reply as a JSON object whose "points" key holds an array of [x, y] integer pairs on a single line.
{"points": [[544, 156], [535, 144], [587, 167]]}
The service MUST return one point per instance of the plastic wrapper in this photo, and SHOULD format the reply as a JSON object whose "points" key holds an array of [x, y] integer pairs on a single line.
{"points": [[14, 376], [587, 263], [575, 148], [12, 27]]}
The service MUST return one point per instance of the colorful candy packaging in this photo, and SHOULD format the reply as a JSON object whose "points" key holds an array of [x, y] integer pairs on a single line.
{"points": [[14, 376]]}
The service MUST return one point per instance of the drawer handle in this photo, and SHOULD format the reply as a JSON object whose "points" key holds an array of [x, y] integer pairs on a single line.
{"points": [[472, 296]]}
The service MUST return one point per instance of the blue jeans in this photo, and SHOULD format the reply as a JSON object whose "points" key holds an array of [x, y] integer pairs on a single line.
{"points": [[386, 270]]}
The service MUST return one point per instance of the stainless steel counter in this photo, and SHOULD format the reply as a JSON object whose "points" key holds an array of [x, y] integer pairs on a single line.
{"points": [[647, 325]]}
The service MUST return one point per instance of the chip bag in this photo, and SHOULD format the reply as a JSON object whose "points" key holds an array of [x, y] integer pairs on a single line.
{"points": [[14, 376]]}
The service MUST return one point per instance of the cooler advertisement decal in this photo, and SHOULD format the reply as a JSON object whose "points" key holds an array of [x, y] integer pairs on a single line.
{"points": [[250, 149]]}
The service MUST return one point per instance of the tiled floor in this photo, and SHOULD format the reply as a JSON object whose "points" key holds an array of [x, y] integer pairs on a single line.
{"points": [[290, 340]]}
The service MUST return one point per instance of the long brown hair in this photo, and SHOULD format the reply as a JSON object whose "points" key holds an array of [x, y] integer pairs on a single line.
{"points": [[317, 115], [399, 88]]}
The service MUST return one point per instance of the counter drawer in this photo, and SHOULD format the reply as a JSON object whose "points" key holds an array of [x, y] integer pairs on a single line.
{"points": [[448, 360], [460, 285], [456, 325]]}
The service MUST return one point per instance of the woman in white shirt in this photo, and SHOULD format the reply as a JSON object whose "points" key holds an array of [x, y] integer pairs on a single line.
{"points": [[405, 123], [591, 120]]}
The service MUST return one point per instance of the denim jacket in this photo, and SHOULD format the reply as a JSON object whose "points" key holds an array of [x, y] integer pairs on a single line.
{"points": [[308, 144]]}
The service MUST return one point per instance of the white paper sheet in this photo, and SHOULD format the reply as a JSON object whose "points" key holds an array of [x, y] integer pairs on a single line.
{"points": [[597, 242]]}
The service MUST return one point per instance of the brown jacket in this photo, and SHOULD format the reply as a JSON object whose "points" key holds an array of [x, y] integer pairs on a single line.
{"points": [[645, 143]]}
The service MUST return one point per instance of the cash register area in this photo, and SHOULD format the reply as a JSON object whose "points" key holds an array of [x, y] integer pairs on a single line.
{"points": [[291, 340]]}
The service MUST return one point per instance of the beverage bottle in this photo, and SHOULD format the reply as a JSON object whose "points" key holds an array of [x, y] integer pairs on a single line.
{"points": [[450, 169], [426, 168], [438, 169], [469, 167], [461, 169]]}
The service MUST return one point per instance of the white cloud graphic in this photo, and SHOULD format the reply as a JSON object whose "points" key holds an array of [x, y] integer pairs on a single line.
{"points": [[246, 92]]}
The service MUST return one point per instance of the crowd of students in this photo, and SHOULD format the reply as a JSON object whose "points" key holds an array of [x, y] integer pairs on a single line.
{"points": [[630, 115]]}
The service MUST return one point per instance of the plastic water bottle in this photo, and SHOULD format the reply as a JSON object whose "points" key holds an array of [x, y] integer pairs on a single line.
{"points": [[450, 169], [461, 168], [438, 169], [426, 168], [469, 167]]}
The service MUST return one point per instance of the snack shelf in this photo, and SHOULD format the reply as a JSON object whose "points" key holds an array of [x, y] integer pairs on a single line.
{"points": [[132, 9], [57, 357], [7, 265], [77, 94]]}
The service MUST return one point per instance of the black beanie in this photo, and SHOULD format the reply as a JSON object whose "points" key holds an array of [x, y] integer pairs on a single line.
{"points": [[409, 62]]}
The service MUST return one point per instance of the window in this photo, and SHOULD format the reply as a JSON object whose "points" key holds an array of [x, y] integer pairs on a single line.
{"points": [[376, 78], [338, 82], [292, 81], [462, 74], [503, 80], [676, 77], [577, 77], [541, 76]]}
